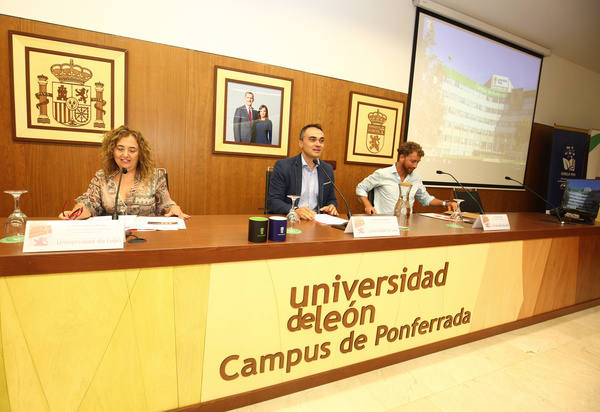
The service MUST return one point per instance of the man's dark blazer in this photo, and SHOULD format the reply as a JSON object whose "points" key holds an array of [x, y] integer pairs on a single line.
{"points": [[243, 128], [287, 180]]}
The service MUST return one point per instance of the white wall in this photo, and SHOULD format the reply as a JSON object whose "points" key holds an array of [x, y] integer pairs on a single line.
{"points": [[357, 40], [348, 39], [569, 95]]}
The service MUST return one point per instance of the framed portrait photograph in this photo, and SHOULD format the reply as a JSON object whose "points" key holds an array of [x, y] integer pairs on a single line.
{"points": [[375, 129], [252, 113], [65, 91]]}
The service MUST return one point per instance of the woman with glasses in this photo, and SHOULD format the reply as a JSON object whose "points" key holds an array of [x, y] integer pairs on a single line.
{"points": [[143, 189]]}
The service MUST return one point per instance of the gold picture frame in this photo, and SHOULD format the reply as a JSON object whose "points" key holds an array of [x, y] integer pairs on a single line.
{"points": [[64, 91], [375, 129], [235, 131]]}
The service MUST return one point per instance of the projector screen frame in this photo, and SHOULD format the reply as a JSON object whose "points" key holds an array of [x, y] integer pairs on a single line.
{"points": [[409, 103]]}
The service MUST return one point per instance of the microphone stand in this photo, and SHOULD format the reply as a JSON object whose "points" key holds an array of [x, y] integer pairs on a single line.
{"points": [[348, 213], [115, 214], [553, 208], [441, 172]]}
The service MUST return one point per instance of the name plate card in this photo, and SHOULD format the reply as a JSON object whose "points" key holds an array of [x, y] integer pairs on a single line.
{"points": [[63, 235], [373, 226], [492, 222]]}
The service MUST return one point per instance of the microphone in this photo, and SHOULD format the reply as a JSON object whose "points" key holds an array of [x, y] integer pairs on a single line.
{"points": [[115, 215], [441, 172], [552, 207], [316, 162]]}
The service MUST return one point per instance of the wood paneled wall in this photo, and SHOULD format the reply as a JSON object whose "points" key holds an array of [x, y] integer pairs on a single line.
{"points": [[170, 99]]}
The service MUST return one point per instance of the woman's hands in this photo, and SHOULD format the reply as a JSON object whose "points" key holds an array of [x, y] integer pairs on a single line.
{"points": [[175, 210], [79, 212]]}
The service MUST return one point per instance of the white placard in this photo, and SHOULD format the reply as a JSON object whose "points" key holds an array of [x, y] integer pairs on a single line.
{"points": [[63, 235], [492, 222], [372, 226]]}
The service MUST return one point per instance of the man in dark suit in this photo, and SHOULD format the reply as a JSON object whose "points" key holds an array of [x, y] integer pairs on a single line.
{"points": [[243, 121], [299, 175]]}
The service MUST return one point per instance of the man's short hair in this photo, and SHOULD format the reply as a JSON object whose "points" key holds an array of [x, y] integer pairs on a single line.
{"points": [[247, 93], [407, 148], [315, 125]]}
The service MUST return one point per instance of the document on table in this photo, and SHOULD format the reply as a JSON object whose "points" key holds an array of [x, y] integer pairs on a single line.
{"points": [[158, 223], [447, 217], [326, 219], [133, 222], [127, 220], [436, 216]]}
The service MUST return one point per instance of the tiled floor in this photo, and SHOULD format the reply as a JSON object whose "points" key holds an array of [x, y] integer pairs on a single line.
{"points": [[550, 366]]}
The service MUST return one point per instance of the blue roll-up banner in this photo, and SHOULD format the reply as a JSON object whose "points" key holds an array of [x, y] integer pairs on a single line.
{"points": [[567, 161]]}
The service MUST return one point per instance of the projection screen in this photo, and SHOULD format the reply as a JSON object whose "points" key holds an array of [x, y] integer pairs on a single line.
{"points": [[471, 104]]}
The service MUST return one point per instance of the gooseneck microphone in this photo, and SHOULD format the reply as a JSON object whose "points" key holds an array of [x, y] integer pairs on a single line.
{"points": [[115, 215], [316, 162], [441, 172], [553, 208]]}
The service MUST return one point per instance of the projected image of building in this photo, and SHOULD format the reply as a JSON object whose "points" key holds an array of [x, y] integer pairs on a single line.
{"points": [[485, 121]]}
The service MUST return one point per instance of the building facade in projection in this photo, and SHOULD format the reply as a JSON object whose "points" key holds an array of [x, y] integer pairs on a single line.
{"points": [[488, 121]]}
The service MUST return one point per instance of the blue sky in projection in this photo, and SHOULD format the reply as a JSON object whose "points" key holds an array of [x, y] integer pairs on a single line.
{"points": [[479, 58]]}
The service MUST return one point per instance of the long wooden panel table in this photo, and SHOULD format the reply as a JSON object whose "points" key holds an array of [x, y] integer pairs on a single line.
{"points": [[224, 238], [203, 319]]}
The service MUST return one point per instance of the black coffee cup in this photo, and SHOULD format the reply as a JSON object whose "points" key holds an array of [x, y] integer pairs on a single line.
{"points": [[257, 229]]}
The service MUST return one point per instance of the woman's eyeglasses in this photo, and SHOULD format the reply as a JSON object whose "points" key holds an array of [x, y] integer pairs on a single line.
{"points": [[74, 215]]}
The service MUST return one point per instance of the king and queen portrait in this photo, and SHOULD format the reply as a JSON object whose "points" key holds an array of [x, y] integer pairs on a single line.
{"points": [[253, 114]]}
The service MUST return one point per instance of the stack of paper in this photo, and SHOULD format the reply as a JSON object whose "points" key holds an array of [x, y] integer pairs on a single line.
{"points": [[133, 222]]}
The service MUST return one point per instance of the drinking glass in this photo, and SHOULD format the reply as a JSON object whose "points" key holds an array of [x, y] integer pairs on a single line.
{"points": [[292, 216], [456, 215], [15, 223]]}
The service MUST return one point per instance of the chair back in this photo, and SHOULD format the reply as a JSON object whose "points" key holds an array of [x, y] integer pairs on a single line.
{"points": [[268, 174], [371, 197], [469, 205]]}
